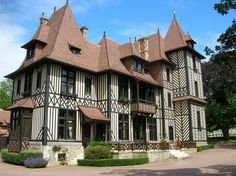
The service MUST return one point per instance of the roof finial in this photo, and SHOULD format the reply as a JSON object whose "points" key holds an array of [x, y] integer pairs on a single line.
{"points": [[130, 39], [188, 33], [42, 14], [55, 8], [67, 1], [174, 13], [158, 31], [135, 39], [104, 34]]}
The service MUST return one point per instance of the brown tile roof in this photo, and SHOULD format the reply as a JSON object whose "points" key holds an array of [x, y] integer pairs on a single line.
{"points": [[61, 31], [175, 37], [4, 117], [93, 113], [23, 103], [193, 98], [144, 77]]}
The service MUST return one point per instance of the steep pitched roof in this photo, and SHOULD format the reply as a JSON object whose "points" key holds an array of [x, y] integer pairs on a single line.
{"points": [[157, 48], [23, 103], [175, 37], [93, 114]]}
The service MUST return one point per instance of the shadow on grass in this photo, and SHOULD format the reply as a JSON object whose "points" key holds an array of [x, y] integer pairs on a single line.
{"points": [[218, 170]]}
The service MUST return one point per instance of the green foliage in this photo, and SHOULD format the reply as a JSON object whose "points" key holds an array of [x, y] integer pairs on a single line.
{"points": [[112, 162], [5, 93], [97, 152], [205, 147], [19, 158], [224, 6], [56, 148], [99, 143]]}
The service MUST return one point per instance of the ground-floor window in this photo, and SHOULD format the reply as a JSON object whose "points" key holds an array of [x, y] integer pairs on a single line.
{"points": [[21, 118], [171, 133], [66, 124], [139, 128], [123, 126], [152, 129]]}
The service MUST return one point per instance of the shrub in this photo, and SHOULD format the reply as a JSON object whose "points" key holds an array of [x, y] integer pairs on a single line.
{"points": [[112, 162], [205, 147], [35, 162], [18, 158], [97, 152], [99, 143]]}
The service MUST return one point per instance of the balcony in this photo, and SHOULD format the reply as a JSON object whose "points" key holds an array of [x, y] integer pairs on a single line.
{"points": [[143, 106]]}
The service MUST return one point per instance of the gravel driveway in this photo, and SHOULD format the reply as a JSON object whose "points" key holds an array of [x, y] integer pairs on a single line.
{"points": [[218, 161]]}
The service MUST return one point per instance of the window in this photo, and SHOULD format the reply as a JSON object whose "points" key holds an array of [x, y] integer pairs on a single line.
{"points": [[66, 124], [168, 74], [17, 116], [146, 92], [123, 87], [123, 127], [134, 90], [152, 129], [198, 120], [28, 84], [169, 100], [74, 50], [67, 82], [138, 66], [194, 63], [38, 83], [88, 84], [196, 89], [171, 133], [18, 88], [30, 52]]}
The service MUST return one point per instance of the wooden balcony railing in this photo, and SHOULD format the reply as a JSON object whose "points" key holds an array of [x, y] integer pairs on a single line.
{"points": [[143, 106]]}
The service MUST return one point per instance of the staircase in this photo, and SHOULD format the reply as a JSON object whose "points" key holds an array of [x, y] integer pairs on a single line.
{"points": [[178, 154]]}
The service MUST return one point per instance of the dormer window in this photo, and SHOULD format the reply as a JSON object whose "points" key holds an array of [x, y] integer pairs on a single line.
{"points": [[30, 52], [74, 50], [138, 66]]}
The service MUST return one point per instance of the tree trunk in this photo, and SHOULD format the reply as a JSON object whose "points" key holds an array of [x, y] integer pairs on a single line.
{"points": [[225, 131]]}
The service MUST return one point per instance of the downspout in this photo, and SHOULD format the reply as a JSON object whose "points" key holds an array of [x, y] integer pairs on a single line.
{"points": [[45, 120]]}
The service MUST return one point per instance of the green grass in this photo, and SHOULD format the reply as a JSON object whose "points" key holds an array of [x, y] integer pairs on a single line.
{"points": [[112, 162], [205, 147]]}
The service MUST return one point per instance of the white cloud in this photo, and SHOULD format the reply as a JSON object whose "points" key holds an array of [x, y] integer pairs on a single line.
{"points": [[138, 29]]}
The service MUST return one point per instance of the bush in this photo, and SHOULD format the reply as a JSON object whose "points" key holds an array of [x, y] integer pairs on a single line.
{"points": [[112, 162], [205, 147], [35, 162], [99, 143], [97, 152], [18, 158]]}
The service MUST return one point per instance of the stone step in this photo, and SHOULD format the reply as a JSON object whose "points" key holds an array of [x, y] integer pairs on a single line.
{"points": [[178, 154]]}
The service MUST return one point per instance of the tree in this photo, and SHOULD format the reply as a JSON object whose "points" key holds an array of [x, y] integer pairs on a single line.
{"points": [[5, 93], [219, 77]]}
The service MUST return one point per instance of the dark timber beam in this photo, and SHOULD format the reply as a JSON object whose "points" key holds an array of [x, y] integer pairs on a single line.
{"points": [[45, 120], [163, 113], [109, 98]]}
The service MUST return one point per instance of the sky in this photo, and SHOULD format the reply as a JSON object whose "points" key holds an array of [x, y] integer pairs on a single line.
{"points": [[121, 19]]}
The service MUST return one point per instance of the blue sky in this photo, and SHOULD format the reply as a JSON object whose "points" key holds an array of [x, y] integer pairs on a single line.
{"points": [[120, 19]]}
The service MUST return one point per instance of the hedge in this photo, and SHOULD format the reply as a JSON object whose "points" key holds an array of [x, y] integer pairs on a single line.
{"points": [[205, 147], [112, 162], [19, 158], [97, 152], [99, 143]]}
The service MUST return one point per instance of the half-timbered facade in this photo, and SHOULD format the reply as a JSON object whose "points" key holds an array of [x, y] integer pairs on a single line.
{"points": [[72, 91]]}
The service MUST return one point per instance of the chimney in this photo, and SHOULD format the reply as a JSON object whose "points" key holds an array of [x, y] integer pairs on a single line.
{"points": [[143, 47], [84, 32], [43, 20]]}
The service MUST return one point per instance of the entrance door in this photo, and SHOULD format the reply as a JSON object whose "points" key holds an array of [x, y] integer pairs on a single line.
{"points": [[86, 134], [171, 133], [139, 129], [100, 132]]}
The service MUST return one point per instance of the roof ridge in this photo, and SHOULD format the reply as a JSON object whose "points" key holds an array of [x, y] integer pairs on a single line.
{"points": [[178, 27], [106, 48]]}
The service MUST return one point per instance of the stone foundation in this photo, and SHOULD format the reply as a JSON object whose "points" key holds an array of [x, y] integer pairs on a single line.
{"points": [[60, 153]]}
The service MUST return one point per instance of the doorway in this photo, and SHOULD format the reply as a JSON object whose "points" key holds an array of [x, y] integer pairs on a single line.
{"points": [[139, 129], [86, 134]]}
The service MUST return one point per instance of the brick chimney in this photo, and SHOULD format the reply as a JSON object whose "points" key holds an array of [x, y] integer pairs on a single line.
{"points": [[84, 32], [143, 47]]}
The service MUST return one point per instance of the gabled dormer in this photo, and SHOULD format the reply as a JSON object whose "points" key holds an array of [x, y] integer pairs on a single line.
{"points": [[35, 46]]}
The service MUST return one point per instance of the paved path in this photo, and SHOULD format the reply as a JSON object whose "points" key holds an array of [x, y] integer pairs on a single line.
{"points": [[218, 161]]}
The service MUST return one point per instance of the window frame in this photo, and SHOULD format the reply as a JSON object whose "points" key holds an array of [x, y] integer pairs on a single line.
{"points": [[169, 99], [88, 85], [65, 125], [123, 86], [30, 52], [67, 81], [39, 79], [18, 86], [199, 126], [152, 125], [168, 74], [196, 88], [138, 66], [123, 127], [28, 83]]}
